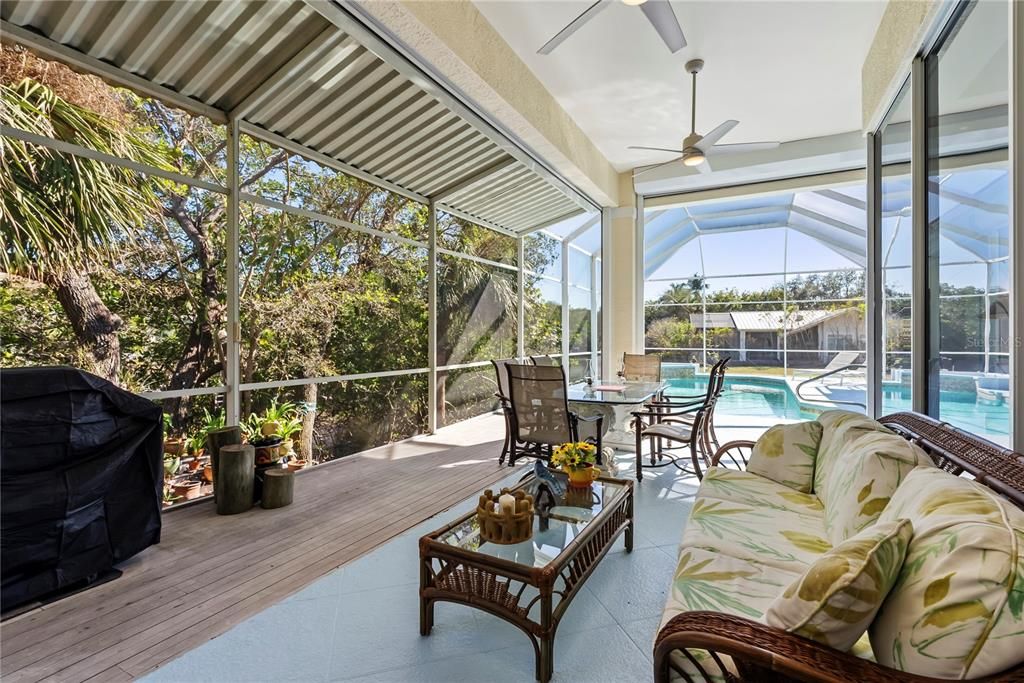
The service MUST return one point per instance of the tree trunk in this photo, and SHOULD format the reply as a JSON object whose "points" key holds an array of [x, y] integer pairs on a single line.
{"points": [[309, 394], [96, 326]]}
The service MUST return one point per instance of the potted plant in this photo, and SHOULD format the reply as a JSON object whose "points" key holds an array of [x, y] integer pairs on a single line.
{"points": [[268, 449], [173, 445], [194, 446], [277, 415], [290, 431], [579, 461], [169, 497], [187, 489], [171, 465]]}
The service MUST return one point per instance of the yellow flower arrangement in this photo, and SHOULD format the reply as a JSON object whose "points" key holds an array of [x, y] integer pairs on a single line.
{"points": [[574, 455]]}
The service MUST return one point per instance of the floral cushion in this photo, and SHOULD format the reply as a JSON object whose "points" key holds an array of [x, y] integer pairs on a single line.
{"points": [[835, 424], [868, 469], [780, 539], [957, 610], [746, 487], [786, 454], [710, 580], [835, 600]]}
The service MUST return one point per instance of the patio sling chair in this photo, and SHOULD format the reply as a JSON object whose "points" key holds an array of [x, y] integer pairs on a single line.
{"points": [[540, 418], [717, 374], [686, 421], [506, 405], [640, 367], [544, 360]]}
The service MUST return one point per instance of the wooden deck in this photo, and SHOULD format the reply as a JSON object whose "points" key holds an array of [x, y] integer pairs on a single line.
{"points": [[211, 572]]}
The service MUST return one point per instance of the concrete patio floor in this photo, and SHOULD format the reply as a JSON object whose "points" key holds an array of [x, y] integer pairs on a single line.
{"points": [[360, 622]]}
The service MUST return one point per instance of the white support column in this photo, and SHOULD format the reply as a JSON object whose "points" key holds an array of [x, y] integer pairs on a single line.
{"points": [[432, 317], [594, 320], [521, 300], [1016, 345], [873, 274], [234, 327], [640, 323], [565, 306], [987, 332], [606, 313], [785, 303], [919, 242]]}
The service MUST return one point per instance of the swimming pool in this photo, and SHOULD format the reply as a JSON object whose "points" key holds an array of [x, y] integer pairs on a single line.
{"points": [[760, 400]]}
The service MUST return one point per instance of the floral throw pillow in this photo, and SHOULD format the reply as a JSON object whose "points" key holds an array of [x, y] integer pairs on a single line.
{"points": [[836, 599], [786, 454]]}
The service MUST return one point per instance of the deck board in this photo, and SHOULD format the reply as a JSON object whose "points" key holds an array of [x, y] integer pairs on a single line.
{"points": [[212, 572]]}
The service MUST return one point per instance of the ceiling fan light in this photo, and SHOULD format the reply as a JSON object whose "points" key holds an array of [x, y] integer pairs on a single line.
{"points": [[633, 3], [695, 158]]}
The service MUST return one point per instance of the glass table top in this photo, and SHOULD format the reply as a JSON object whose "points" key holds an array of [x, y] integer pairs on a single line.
{"points": [[552, 532], [631, 393]]}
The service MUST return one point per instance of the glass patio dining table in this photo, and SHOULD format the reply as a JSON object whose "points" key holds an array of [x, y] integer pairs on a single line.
{"points": [[615, 401]]}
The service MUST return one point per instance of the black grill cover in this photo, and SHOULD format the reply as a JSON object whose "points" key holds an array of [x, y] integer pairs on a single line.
{"points": [[81, 476]]}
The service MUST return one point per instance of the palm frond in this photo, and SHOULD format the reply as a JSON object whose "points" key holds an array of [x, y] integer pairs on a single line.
{"points": [[60, 211]]}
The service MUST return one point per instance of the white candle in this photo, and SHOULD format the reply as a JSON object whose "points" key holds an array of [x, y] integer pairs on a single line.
{"points": [[507, 502]]}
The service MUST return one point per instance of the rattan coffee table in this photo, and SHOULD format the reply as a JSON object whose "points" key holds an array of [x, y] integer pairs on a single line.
{"points": [[528, 584]]}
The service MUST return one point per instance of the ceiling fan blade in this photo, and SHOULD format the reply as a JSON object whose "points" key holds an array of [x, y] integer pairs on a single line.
{"points": [[743, 147], [572, 27], [715, 135], [656, 166], [663, 19], [705, 167], [656, 149]]}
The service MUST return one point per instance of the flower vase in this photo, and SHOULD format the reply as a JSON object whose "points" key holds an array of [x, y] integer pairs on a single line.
{"points": [[582, 477]]}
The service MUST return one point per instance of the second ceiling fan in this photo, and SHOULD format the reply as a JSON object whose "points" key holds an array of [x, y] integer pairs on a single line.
{"points": [[697, 148], [658, 12]]}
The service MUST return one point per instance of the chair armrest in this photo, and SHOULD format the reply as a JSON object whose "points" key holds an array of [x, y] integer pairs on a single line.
{"points": [[663, 414], [669, 398], [736, 454], [674, 404], [763, 653]]}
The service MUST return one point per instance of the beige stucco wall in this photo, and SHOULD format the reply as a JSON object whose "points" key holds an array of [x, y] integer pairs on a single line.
{"points": [[621, 262], [456, 39], [901, 32]]}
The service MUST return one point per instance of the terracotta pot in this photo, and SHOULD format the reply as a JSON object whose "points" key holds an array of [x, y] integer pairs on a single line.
{"points": [[188, 490], [296, 465], [174, 446], [194, 464], [208, 474]]}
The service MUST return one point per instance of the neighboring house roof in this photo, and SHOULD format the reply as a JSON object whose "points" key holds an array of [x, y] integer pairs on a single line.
{"points": [[764, 321]]}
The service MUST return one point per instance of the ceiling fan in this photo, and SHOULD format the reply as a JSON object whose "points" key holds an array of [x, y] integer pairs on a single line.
{"points": [[658, 12], [697, 148]]}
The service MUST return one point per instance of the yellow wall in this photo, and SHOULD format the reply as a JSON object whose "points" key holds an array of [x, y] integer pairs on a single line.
{"points": [[901, 32], [456, 39]]}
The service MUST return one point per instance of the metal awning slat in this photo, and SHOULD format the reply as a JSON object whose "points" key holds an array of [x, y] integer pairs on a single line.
{"points": [[313, 74]]}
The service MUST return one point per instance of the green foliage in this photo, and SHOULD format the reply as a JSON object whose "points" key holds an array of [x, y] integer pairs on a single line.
{"points": [[61, 211], [317, 299]]}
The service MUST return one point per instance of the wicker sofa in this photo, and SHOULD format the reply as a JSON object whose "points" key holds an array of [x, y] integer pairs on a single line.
{"points": [[955, 610]]}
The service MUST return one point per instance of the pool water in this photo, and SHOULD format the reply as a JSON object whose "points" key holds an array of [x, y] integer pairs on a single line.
{"points": [[760, 400]]}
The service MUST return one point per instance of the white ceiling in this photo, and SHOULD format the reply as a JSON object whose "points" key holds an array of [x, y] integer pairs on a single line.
{"points": [[785, 70]]}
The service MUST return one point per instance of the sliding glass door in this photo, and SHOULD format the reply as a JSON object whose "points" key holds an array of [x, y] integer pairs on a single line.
{"points": [[968, 228]]}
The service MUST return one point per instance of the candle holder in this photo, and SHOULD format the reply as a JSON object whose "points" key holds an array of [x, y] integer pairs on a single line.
{"points": [[511, 523]]}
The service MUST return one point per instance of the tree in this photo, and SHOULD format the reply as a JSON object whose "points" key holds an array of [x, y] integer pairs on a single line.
{"points": [[61, 213]]}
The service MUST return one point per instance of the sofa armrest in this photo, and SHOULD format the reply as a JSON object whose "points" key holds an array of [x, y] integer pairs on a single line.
{"points": [[763, 653], [734, 455]]}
